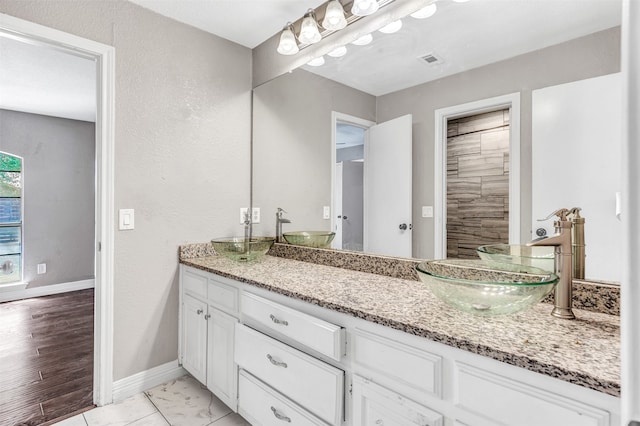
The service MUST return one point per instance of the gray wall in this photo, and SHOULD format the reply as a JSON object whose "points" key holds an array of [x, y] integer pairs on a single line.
{"points": [[59, 194], [292, 146], [182, 155], [585, 57]]}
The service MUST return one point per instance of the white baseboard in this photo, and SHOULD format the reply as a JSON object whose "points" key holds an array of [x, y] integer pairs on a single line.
{"points": [[147, 379], [46, 290]]}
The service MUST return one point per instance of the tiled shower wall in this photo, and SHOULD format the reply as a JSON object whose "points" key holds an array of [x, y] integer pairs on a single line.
{"points": [[477, 182]]}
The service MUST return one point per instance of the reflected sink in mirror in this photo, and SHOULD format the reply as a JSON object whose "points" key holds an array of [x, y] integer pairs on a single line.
{"points": [[538, 256], [316, 239], [486, 288], [243, 249]]}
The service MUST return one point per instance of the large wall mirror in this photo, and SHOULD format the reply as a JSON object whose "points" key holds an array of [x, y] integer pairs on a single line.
{"points": [[496, 100]]}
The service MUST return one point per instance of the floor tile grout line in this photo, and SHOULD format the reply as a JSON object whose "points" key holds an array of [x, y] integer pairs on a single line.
{"points": [[157, 408]]}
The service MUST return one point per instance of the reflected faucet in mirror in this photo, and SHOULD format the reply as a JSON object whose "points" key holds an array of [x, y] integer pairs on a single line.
{"points": [[563, 241], [279, 221]]}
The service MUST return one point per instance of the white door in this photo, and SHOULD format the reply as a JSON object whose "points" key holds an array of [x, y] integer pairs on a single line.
{"points": [[387, 188], [337, 202]]}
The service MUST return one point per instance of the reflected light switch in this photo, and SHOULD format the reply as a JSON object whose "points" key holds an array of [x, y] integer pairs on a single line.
{"points": [[126, 219]]}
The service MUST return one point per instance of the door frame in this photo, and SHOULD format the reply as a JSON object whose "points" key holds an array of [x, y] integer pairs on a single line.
{"points": [[511, 101], [342, 118], [104, 57]]}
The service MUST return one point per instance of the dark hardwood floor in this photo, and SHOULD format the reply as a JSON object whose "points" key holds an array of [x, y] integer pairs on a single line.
{"points": [[46, 357]]}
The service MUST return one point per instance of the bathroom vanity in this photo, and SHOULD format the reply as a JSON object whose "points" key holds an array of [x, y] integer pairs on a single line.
{"points": [[283, 341]]}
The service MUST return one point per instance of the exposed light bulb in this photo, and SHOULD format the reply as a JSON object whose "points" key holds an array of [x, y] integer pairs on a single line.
{"points": [[364, 40], [309, 33], [392, 27], [288, 44], [334, 16], [338, 52], [364, 7], [425, 12], [316, 62]]}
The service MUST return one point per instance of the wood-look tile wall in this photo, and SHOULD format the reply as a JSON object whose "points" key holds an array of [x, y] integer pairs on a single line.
{"points": [[477, 182]]}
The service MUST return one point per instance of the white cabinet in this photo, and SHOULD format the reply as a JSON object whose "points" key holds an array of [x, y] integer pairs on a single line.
{"points": [[374, 405], [208, 333]]}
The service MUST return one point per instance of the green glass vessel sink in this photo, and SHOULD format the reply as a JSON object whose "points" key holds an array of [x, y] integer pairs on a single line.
{"points": [[537, 256], [317, 239], [486, 288], [242, 249]]}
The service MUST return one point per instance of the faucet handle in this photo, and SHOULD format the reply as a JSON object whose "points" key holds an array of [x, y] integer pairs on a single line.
{"points": [[575, 213], [561, 213]]}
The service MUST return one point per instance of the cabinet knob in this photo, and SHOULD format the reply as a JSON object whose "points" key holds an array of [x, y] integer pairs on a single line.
{"points": [[280, 416], [199, 311], [206, 317], [379, 422]]}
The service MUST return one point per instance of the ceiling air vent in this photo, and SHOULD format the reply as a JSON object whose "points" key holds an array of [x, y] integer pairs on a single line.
{"points": [[431, 59]]}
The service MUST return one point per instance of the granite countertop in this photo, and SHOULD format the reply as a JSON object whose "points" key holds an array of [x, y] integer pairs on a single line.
{"points": [[584, 351]]}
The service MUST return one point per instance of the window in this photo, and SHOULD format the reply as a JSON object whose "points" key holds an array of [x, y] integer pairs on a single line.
{"points": [[10, 218]]}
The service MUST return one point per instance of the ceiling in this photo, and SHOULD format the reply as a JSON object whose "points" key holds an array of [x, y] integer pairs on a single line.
{"points": [[485, 31]]}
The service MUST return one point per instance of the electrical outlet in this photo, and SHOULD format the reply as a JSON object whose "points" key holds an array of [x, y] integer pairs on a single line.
{"points": [[42, 268], [326, 212], [255, 214], [243, 214], [427, 211]]}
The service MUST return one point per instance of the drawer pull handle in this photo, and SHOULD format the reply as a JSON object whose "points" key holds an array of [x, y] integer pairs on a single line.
{"points": [[276, 363], [199, 311], [280, 416], [278, 321]]}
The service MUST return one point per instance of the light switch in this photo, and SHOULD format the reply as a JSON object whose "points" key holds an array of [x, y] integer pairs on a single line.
{"points": [[126, 219], [42, 268], [427, 211]]}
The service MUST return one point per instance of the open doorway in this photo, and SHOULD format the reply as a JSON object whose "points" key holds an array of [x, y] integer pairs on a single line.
{"points": [[101, 182]]}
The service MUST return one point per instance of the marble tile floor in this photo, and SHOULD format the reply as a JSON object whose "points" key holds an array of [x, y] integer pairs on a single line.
{"points": [[181, 402]]}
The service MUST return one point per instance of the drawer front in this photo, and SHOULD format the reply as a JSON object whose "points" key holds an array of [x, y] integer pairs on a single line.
{"points": [[374, 405], [194, 282], [223, 296], [263, 406], [400, 363], [508, 402], [313, 384], [317, 334]]}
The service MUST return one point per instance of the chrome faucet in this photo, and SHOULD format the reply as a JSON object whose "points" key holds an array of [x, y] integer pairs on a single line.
{"points": [[561, 240], [279, 221]]}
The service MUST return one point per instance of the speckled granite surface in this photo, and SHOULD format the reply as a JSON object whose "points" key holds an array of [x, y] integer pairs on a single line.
{"points": [[590, 296], [584, 351]]}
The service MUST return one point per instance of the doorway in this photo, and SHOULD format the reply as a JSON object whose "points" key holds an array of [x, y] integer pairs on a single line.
{"points": [[103, 55], [510, 102], [477, 182]]}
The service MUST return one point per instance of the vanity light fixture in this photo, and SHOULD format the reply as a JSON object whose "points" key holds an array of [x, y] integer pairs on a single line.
{"points": [[364, 7], [425, 12], [334, 16], [392, 27], [316, 62], [363, 41], [309, 32], [288, 44], [338, 52]]}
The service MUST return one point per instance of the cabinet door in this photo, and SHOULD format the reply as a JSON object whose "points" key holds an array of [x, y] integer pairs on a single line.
{"points": [[374, 405], [194, 338], [222, 371]]}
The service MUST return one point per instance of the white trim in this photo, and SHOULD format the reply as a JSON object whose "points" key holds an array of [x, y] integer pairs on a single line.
{"points": [[46, 290], [146, 380], [511, 101], [104, 56], [343, 118]]}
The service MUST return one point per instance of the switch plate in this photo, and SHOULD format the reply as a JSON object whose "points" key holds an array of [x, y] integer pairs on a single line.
{"points": [[427, 211], [326, 212], [42, 268], [255, 214], [243, 214], [126, 219]]}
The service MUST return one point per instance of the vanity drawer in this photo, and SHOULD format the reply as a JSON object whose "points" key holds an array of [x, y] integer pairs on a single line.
{"points": [[316, 334], [263, 406], [223, 296], [394, 362], [313, 384], [194, 282]]}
